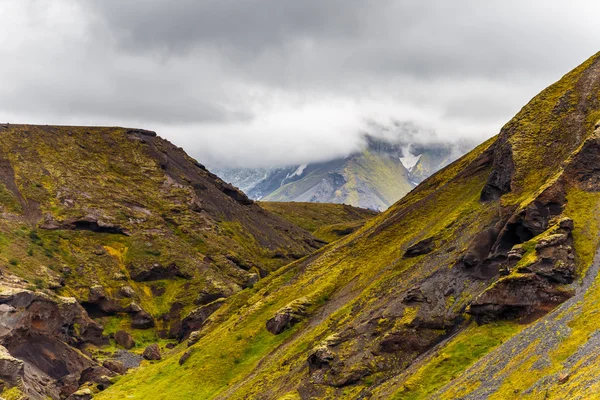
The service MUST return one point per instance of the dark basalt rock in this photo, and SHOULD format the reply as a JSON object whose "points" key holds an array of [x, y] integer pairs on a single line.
{"points": [[499, 181], [142, 320], [152, 352], [143, 132], [195, 319], [124, 340], [96, 374], [425, 246], [320, 358], [155, 272], [184, 357], [115, 366], [90, 223], [236, 195], [414, 295], [99, 305], [480, 247], [288, 316], [516, 297]]}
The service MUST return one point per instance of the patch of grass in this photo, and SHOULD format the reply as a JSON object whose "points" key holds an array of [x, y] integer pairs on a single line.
{"points": [[456, 356]]}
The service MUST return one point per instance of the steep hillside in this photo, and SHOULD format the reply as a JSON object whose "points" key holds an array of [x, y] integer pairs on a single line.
{"points": [[142, 236], [469, 260], [374, 178], [327, 222]]}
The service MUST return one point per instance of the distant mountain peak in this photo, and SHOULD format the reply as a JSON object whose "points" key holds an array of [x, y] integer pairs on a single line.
{"points": [[375, 177]]}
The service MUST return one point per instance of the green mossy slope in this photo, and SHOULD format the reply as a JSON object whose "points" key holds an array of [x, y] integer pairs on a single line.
{"points": [[115, 208], [327, 222]]}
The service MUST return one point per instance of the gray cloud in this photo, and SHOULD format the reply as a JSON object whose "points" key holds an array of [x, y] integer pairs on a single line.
{"points": [[258, 82]]}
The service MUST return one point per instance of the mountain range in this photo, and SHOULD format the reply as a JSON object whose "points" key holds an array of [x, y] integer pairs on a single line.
{"points": [[374, 178], [129, 271]]}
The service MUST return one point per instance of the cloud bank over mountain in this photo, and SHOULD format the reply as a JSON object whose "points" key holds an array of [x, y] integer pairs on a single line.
{"points": [[265, 82]]}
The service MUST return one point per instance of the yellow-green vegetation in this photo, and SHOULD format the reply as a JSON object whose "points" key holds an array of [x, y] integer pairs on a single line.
{"points": [[325, 221], [583, 207], [454, 357], [543, 134], [14, 393]]}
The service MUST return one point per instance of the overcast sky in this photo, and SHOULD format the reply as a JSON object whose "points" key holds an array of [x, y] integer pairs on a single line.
{"points": [[256, 82]]}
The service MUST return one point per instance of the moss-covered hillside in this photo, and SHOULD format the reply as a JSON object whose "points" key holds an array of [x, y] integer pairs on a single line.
{"points": [[129, 225], [448, 294], [327, 222]]}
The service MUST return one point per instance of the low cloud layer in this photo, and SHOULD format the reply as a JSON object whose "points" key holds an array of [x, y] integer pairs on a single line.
{"points": [[264, 82]]}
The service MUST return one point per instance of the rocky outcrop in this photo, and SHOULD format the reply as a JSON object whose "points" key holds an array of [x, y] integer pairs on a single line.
{"points": [[41, 335], [140, 319], [195, 319], [12, 370], [499, 181], [288, 316], [425, 246]]}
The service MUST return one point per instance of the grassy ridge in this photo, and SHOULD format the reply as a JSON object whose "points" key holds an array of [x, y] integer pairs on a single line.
{"points": [[327, 222]]}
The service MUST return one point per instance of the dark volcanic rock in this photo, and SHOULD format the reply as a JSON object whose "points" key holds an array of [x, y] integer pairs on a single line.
{"points": [[156, 271], [124, 340], [195, 319], [499, 181], [425, 246], [184, 357], [515, 297], [152, 352], [115, 366], [288, 316], [12, 370]]}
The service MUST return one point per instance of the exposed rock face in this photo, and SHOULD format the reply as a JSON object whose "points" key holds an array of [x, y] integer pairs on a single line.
{"points": [[499, 181], [12, 370], [418, 249], [195, 319], [40, 337], [288, 316]]}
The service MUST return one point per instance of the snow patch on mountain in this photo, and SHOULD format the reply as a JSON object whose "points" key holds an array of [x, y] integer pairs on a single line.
{"points": [[408, 159]]}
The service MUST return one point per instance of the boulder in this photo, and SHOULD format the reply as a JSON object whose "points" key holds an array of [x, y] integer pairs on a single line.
{"points": [[152, 352], [126, 291], [96, 374], [185, 356], [321, 357], [82, 394], [124, 340], [142, 320], [194, 338], [425, 246], [115, 366]]}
